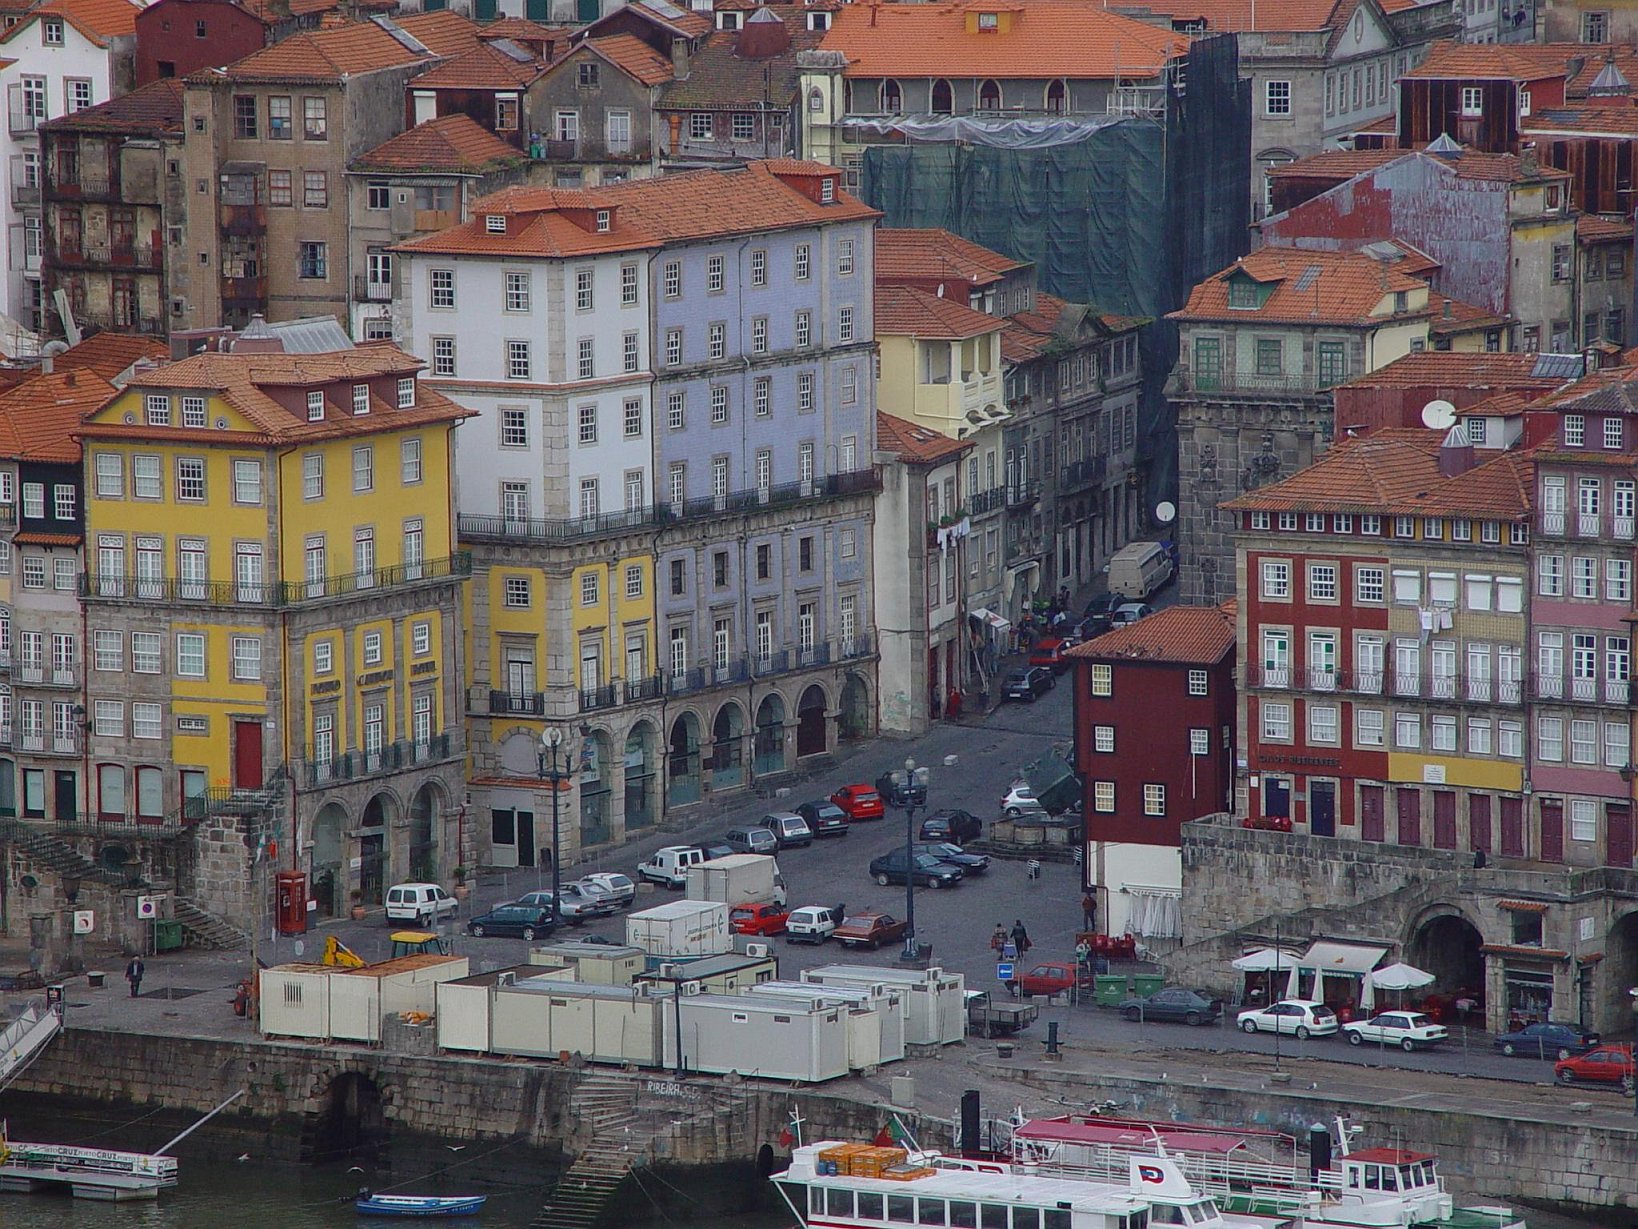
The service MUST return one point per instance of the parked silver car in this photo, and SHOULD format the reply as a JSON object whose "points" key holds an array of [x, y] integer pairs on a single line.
{"points": [[751, 838]]}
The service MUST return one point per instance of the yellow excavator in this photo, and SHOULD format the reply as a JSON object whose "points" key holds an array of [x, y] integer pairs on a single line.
{"points": [[339, 954]]}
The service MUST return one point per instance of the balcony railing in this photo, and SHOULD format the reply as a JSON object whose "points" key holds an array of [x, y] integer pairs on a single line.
{"points": [[991, 500], [1582, 690], [87, 180], [113, 255], [1080, 473], [604, 696], [560, 151], [368, 291], [1410, 684], [1552, 524], [518, 703], [1621, 527], [351, 765], [1022, 493], [21, 120], [270, 593], [777, 661], [1251, 382], [1587, 524]]}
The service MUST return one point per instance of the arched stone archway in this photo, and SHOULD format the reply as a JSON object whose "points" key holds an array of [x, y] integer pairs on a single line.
{"points": [[374, 825], [426, 812], [350, 1122], [596, 789], [727, 747], [639, 764], [329, 882], [856, 719], [768, 756], [812, 738], [1447, 945], [1619, 1008], [683, 761]]}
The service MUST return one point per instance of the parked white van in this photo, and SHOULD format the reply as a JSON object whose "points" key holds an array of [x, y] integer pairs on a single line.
{"points": [[669, 866], [1139, 568]]}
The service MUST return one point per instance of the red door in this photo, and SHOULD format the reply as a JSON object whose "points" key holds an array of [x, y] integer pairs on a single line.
{"points": [[1618, 836], [1444, 819], [247, 755], [1512, 825], [1371, 823], [1552, 832], [1478, 822], [1410, 816]]}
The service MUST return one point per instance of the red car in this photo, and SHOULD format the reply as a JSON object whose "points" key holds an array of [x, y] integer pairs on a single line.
{"points": [[1608, 1064], [1047, 978], [758, 919], [869, 930], [1050, 653], [859, 802]]}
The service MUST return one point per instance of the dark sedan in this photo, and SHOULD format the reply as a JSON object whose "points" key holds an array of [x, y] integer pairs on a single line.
{"points": [[928, 871], [1545, 1039], [1175, 1003], [944, 851], [1029, 684], [957, 827], [1095, 619], [824, 817], [518, 921]]}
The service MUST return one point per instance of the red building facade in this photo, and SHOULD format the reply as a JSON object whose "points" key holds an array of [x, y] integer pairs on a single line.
{"points": [[178, 37]]}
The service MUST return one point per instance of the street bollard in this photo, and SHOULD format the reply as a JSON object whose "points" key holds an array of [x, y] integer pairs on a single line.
{"points": [[1052, 1037], [1032, 869]]}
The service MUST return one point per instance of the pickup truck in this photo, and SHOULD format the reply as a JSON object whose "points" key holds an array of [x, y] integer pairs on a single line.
{"points": [[758, 919], [988, 1018]]}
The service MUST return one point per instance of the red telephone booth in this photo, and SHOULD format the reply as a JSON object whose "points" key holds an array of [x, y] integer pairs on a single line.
{"points": [[292, 903]]}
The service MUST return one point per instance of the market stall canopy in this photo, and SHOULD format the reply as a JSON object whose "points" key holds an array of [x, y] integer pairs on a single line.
{"points": [[1400, 977], [1266, 960], [1330, 956]]}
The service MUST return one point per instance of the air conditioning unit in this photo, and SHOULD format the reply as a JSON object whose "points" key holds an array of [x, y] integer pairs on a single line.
{"points": [[667, 969], [147, 907], [506, 979], [757, 951], [692, 987]]}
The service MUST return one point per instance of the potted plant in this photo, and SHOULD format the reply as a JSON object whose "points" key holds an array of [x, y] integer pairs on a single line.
{"points": [[461, 890], [357, 897]]}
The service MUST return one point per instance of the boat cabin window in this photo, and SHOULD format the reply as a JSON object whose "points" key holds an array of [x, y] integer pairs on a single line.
{"points": [[963, 1215], [1411, 1176], [870, 1206], [816, 1199], [1373, 1178], [1026, 1218], [1390, 1179], [901, 1209], [1055, 1218], [993, 1215], [1166, 1214], [930, 1212], [838, 1203]]}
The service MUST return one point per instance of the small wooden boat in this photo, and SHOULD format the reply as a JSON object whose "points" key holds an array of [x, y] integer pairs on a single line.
{"points": [[419, 1205]]}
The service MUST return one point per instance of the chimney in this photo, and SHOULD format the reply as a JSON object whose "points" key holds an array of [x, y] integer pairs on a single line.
{"points": [[48, 364], [1456, 453], [1448, 312], [70, 378], [679, 58], [1529, 161]]}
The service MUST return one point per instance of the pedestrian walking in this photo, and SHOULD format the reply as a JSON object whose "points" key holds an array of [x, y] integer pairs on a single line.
{"points": [[999, 939], [1089, 911], [133, 974], [1020, 936]]}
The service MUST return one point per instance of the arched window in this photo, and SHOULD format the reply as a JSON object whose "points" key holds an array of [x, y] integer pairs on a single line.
{"points": [[816, 99], [943, 98], [111, 791], [892, 97], [1057, 94], [989, 96], [150, 794]]}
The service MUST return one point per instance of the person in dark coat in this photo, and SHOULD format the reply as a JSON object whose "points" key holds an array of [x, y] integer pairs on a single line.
{"points": [[1089, 911], [133, 974], [1020, 936]]}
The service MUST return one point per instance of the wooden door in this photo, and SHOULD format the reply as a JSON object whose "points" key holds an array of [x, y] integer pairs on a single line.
{"points": [[247, 755], [1444, 819], [1512, 827], [1552, 832], [1409, 805], [1618, 835], [1478, 822], [1372, 821], [1322, 808], [1276, 798]]}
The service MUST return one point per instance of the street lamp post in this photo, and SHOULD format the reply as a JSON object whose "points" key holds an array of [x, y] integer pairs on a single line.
{"points": [[551, 738], [907, 797]]}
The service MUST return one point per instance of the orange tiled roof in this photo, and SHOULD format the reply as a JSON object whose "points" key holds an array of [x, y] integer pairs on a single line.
{"points": [[1599, 228], [442, 31], [1395, 471], [1048, 38], [903, 311], [1611, 390], [755, 197], [1433, 368], [451, 143], [108, 354], [241, 379], [1309, 287], [524, 30], [1454, 316], [633, 56], [38, 418], [485, 67], [675, 17], [1491, 61], [539, 227], [913, 442], [1589, 119], [1178, 635], [99, 20], [921, 254], [155, 108], [327, 54]]}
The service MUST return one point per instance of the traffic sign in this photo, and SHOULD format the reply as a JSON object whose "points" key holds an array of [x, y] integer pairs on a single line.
{"points": [[1003, 970]]}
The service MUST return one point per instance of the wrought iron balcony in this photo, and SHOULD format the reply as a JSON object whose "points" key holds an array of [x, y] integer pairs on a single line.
{"points": [[517, 703], [127, 588]]}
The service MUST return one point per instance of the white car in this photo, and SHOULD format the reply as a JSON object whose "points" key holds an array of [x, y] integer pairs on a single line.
{"points": [[1408, 1030], [422, 903], [1130, 612], [810, 924], [1298, 1017], [617, 887], [1020, 800]]}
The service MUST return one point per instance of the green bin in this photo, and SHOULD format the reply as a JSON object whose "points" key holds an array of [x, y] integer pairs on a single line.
{"points": [[1110, 989], [167, 935], [1145, 984]]}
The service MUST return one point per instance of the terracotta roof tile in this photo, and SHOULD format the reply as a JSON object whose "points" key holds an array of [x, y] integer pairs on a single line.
{"points": [[903, 311], [1178, 635], [1048, 38], [99, 20], [691, 205], [1612, 390], [39, 417], [634, 57], [1309, 287], [1454, 316], [674, 17], [538, 226], [485, 67], [443, 31], [1490, 61], [153, 109], [924, 254], [454, 143], [1596, 228], [1395, 472], [107, 354], [327, 54], [1582, 121], [1433, 368], [720, 78], [915, 443], [524, 30]]}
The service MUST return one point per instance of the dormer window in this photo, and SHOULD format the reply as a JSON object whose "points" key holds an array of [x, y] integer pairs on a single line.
{"points": [[52, 31], [406, 392], [827, 191], [1401, 302], [315, 407], [989, 23], [819, 20], [361, 399], [495, 223], [605, 219], [1242, 294]]}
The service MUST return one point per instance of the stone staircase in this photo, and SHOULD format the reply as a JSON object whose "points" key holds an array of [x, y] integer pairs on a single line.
{"points": [[603, 1106], [205, 929]]}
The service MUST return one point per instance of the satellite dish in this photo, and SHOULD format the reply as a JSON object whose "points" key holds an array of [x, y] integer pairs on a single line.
{"points": [[1165, 512], [1438, 415]]}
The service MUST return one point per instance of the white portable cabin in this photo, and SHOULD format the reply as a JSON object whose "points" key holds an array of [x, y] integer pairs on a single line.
{"points": [[687, 928], [360, 997], [294, 1001], [730, 973], [758, 1035], [935, 1001], [875, 1017], [596, 964], [464, 1006], [540, 1017]]}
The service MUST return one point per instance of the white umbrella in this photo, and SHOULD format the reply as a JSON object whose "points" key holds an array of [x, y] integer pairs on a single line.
{"points": [[1266, 960], [1400, 977]]}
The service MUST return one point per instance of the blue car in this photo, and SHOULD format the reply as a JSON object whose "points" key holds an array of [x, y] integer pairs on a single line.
{"points": [[1544, 1039], [518, 921]]}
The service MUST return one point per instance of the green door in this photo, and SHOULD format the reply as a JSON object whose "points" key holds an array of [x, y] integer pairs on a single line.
{"points": [[1208, 363], [587, 10]]}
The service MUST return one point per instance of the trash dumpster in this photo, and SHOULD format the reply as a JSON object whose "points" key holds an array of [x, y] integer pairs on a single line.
{"points": [[1145, 984], [167, 935], [1110, 989]]}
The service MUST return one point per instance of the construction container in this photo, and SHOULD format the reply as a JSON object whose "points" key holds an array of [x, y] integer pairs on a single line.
{"points": [[875, 1017], [463, 1006], [540, 1017], [687, 928], [757, 1036], [596, 964], [360, 997], [738, 879], [935, 1010], [295, 1001], [731, 973]]}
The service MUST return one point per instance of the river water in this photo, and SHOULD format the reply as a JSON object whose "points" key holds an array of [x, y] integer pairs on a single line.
{"points": [[238, 1178]]}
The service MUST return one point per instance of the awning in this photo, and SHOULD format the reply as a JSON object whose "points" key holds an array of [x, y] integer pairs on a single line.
{"points": [[1400, 977], [1330, 956], [1266, 960]]}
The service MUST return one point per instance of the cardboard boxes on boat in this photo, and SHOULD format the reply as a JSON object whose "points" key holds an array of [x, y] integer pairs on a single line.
{"points": [[863, 1160]]}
